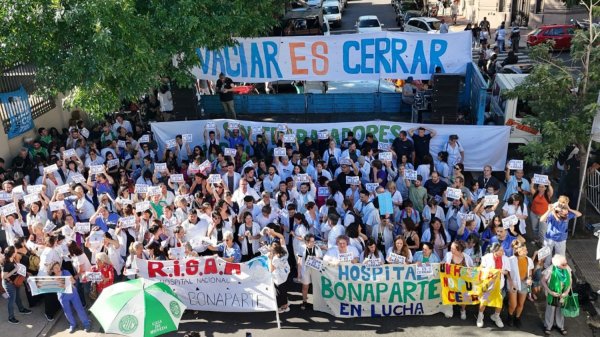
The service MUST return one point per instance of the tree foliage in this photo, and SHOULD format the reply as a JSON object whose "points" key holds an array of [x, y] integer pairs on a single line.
{"points": [[101, 51], [561, 96]]}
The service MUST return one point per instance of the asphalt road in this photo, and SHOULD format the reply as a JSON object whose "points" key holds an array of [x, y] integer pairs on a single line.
{"points": [[382, 8]]}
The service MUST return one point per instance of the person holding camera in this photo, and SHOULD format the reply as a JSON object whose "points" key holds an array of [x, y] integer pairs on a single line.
{"points": [[557, 218]]}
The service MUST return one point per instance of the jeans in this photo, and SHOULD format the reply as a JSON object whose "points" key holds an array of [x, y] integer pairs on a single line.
{"points": [[538, 227], [13, 293], [556, 247]]}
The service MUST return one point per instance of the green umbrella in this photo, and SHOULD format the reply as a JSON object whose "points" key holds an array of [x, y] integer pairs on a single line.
{"points": [[139, 308]]}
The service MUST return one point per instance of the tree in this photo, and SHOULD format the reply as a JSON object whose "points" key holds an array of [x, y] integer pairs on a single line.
{"points": [[562, 96], [102, 51]]}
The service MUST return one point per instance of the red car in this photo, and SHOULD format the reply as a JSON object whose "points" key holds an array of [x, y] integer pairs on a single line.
{"points": [[561, 34]]}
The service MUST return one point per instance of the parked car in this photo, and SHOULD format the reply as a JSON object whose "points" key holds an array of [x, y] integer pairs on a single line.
{"points": [[405, 16], [423, 25], [314, 3], [368, 24], [560, 34], [301, 21], [332, 12], [407, 5]]}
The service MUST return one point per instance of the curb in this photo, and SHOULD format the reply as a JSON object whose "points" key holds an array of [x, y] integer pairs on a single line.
{"points": [[49, 326]]}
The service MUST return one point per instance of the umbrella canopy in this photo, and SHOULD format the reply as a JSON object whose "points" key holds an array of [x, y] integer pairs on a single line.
{"points": [[139, 308]]}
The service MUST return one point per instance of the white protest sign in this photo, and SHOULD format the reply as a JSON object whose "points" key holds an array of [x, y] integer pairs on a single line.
{"points": [[126, 222], [82, 227], [345, 257], [31, 198], [490, 200], [453, 193], [214, 179], [160, 167], [384, 146], [540, 179], [50, 169], [229, 152], [385, 156], [289, 138], [372, 262], [112, 163], [352, 180], [249, 163], [510, 221], [466, 216], [95, 169], [5, 196], [314, 263], [395, 258], [323, 135], [142, 206], [93, 276], [257, 130], [21, 269], [282, 127], [424, 270], [515, 164], [170, 143], [323, 191], [176, 178], [85, 132], [233, 126], [121, 144], [302, 178], [279, 152], [544, 252], [8, 209], [34, 189], [49, 227], [78, 178], [57, 205], [141, 188], [187, 138], [211, 126], [371, 187], [144, 139], [69, 153], [154, 190], [206, 165], [410, 174], [177, 253]]}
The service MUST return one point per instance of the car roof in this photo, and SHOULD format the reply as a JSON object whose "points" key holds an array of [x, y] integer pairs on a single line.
{"points": [[556, 26], [331, 3], [425, 19], [368, 17]]}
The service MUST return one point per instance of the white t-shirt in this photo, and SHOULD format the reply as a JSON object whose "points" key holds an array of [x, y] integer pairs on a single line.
{"points": [[166, 101]]}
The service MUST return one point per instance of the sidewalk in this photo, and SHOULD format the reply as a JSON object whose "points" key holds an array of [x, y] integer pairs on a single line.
{"points": [[582, 253], [32, 325]]}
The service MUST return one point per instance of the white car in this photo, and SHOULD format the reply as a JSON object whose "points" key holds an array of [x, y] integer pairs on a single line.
{"points": [[332, 12], [314, 3], [368, 24], [423, 25]]}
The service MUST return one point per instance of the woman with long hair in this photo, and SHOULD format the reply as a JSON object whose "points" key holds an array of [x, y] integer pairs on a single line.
{"points": [[457, 256], [399, 248], [540, 200], [9, 277], [497, 260], [515, 206], [280, 268], [372, 253], [302, 227], [489, 232], [438, 236], [521, 273]]}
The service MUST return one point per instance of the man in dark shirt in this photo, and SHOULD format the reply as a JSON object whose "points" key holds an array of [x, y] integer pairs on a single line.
{"points": [[307, 146], [403, 146], [421, 141], [487, 180], [435, 185], [370, 142], [348, 140], [225, 89], [348, 170]]}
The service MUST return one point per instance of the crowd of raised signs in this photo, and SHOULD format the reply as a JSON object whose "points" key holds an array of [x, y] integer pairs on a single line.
{"points": [[93, 199]]}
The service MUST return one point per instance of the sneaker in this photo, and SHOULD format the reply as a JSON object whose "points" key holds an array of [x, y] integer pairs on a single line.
{"points": [[480, 320], [25, 311], [496, 318], [463, 315], [88, 328], [50, 318], [13, 320], [71, 329], [450, 314]]}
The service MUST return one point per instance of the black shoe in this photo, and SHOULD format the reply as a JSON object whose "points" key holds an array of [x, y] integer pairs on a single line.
{"points": [[13, 320], [25, 311], [518, 322], [50, 318], [509, 320]]}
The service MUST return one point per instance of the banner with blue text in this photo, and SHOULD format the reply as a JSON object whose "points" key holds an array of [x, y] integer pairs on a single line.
{"points": [[16, 108], [353, 290], [370, 56]]}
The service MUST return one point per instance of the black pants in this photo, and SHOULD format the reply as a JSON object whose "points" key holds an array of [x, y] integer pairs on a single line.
{"points": [[282, 294], [51, 304]]}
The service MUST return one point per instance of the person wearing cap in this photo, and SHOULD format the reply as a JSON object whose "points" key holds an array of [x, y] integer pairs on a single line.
{"points": [[456, 153], [408, 91]]}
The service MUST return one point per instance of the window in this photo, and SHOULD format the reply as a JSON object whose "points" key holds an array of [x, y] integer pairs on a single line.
{"points": [[413, 23], [423, 26], [558, 31], [11, 80]]}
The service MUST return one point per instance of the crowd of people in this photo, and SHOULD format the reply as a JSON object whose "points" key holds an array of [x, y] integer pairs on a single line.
{"points": [[93, 199]]}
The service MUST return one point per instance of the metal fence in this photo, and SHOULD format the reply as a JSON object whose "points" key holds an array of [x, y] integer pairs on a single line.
{"points": [[23, 75], [593, 190]]}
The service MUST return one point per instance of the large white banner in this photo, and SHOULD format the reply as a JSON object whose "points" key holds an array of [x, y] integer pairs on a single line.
{"points": [[212, 284], [370, 56], [353, 290], [483, 144]]}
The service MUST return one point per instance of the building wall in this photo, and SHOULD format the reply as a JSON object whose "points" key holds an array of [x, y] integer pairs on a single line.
{"points": [[56, 117]]}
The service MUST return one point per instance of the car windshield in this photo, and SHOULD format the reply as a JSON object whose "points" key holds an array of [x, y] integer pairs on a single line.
{"points": [[368, 23], [434, 25], [331, 10], [536, 32]]}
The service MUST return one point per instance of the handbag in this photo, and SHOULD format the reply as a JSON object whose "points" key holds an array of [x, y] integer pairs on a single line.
{"points": [[570, 306], [18, 281]]}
